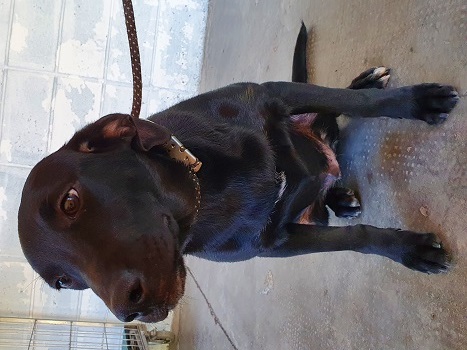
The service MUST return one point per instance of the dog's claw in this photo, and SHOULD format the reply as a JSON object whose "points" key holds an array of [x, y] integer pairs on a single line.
{"points": [[426, 254], [376, 77]]}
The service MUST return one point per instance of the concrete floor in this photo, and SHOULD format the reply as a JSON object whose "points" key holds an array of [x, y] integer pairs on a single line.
{"points": [[409, 175]]}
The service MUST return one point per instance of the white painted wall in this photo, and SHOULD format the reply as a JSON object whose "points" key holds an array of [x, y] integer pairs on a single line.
{"points": [[66, 63]]}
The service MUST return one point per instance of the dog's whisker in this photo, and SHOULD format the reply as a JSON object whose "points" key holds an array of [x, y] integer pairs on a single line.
{"points": [[183, 302], [189, 297], [32, 283]]}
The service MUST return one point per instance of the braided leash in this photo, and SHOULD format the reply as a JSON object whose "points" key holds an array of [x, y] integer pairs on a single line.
{"points": [[174, 147], [135, 58]]}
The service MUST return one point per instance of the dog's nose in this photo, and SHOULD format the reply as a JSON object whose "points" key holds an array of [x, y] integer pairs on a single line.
{"points": [[127, 299], [131, 317]]}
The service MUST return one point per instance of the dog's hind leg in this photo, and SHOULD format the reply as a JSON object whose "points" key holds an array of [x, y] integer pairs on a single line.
{"points": [[373, 78], [342, 200], [325, 124]]}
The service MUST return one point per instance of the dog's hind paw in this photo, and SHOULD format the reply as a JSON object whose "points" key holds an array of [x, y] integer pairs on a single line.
{"points": [[343, 202], [373, 78], [426, 254], [433, 102]]}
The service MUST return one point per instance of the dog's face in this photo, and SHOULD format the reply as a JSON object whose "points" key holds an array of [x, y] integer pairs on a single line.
{"points": [[94, 215]]}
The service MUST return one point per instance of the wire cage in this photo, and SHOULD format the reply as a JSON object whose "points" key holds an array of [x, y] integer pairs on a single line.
{"points": [[18, 333]]}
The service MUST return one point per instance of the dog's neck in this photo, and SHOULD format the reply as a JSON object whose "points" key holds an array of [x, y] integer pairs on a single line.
{"points": [[180, 188]]}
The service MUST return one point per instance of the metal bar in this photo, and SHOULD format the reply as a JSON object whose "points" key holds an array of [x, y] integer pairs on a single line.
{"points": [[38, 334], [32, 333]]}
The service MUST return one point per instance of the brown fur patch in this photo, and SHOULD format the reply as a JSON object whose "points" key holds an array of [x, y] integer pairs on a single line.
{"points": [[302, 124], [228, 111], [115, 129], [84, 147], [305, 216]]}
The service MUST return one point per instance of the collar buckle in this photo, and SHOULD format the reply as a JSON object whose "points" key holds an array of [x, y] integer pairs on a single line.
{"points": [[177, 151]]}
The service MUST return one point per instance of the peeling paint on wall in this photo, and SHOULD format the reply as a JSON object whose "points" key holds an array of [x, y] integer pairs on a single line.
{"points": [[3, 199], [63, 127], [77, 102], [188, 4], [19, 276], [19, 33], [5, 149], [75, 54]]}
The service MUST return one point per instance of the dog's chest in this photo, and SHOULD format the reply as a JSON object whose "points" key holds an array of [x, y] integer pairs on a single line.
{"points": [[229, 228]]}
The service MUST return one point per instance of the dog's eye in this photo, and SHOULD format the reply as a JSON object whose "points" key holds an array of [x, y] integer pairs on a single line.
{"points": [[70, 204], [62, 282]]}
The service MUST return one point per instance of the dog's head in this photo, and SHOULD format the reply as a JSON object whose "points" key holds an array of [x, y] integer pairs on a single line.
{"points": [[105, 212]]}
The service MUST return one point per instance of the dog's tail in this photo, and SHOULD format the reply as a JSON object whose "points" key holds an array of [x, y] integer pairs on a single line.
{"points": [[299, 73]]}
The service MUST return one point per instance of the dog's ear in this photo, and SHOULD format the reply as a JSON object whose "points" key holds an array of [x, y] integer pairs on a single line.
{"points": [[149, 134], [117, 130]]}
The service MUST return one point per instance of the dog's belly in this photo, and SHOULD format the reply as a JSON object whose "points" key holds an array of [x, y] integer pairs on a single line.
{"points": [[328, 168]]}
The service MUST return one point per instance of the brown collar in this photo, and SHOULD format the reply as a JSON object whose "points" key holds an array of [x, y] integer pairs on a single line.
{"points": [[178, 152]]}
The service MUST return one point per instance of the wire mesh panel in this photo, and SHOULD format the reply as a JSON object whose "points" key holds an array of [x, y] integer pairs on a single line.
{"points": [[16, 333]]}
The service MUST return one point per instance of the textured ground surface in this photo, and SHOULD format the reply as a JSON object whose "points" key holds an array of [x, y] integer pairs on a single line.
{"points": [[408, 174]]}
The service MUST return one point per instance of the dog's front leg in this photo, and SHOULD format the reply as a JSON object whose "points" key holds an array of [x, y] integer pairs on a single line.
{"points": [[428, 102], [417, 251]]}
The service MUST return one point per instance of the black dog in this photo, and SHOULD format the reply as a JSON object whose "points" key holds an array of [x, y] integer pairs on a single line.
{"points": [[112, 211]]}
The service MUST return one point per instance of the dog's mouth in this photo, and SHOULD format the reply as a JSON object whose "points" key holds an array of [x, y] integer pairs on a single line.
{"points": [[159, 312], [155, 315]]}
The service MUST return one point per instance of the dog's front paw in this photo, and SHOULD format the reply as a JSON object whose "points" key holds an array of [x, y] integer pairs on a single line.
{"points": [[343, 202], [433, 102], [373, 78], [425, 254]]}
